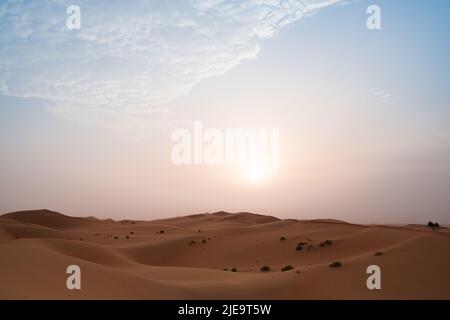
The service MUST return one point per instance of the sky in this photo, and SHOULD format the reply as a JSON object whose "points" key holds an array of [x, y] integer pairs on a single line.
{"points": [[87, 115]]}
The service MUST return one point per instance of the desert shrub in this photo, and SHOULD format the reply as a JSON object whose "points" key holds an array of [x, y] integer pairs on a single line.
{"points": [[127, 237], [203, 241], [336, 264], [225, 269], [132, 232], [192, 242], [116, 238], [379, 253], [81, 239], [283, 238], [199, 231], [234, 269], [287, 268], [300, 246], [162, 231], [326, 243], [265, 268]]}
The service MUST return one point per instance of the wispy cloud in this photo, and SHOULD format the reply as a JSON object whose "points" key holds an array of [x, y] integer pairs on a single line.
{"points": [[131, 57], [380, 94]]}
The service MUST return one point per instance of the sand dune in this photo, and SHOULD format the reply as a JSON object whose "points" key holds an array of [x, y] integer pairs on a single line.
{"points": [[52, 219], [184, 258]]}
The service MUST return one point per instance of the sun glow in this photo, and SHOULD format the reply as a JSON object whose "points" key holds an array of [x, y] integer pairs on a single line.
{"points": [[254, 174]]}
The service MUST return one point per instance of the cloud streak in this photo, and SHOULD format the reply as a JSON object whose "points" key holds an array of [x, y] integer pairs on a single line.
{"points": [[131, 57], [380, 94]]}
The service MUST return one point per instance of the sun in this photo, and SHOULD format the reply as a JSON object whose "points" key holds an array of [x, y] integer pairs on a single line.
{"points": [[254, 173]]}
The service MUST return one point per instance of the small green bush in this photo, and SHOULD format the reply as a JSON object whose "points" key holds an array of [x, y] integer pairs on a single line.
{"points": [[287, 268], [265, 269], [336, 264], [326, 243]]}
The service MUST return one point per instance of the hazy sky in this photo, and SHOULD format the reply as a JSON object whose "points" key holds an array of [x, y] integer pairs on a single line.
{"points": [[86, 115]]}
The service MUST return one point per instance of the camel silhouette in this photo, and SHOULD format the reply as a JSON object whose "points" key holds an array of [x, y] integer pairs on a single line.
{"points": [[434, 226]]}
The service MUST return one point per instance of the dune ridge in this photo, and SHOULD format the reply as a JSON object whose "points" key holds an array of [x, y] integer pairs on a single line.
{"points": [[186, 257]]}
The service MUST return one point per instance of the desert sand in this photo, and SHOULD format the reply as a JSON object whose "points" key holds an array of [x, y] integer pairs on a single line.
{"points": [[185, 258]]}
